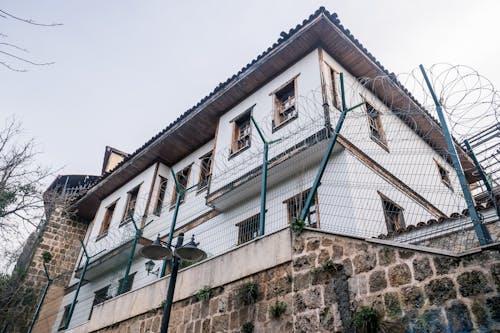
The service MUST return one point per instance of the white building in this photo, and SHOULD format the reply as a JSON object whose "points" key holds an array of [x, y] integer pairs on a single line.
{"points": [[387, 170]]}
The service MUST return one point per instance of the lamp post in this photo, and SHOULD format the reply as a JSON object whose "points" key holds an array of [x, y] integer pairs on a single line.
{"points": [[156, 251]]}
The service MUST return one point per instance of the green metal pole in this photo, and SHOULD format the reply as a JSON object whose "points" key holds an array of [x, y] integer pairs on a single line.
{"points": [[329, 149], [40, 303], [482, 233], [124, 283], [483, 176], [75, 298], [263, 191]]}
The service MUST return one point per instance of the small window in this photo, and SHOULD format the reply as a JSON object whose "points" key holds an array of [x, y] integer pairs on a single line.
{"points": [[108, 215], [131, 201], [394, 218], [100, 296], [128, 287], [248, 229], [64, 318], [335, 88], [294, 207], [160, 196], [375, 124], [182, 179], [205, 171], [285, 104], [444, 175], [241, 133]]}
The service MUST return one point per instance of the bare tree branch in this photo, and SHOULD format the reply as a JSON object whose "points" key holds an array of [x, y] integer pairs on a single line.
{"points": [[26, 60], [29, 21]]}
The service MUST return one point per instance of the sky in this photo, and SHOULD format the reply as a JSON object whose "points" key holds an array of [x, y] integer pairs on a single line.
{"points": [[125, 69]]}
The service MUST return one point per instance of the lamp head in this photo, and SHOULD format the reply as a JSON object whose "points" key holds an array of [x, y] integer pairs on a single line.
{"points": [[156, 251], [190, 251]]}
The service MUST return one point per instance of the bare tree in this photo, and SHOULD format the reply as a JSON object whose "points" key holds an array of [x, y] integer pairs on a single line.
{"points": [[13, 56], [21, 183]]}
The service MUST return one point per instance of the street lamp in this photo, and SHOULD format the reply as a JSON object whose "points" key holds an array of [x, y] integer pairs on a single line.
{"points": [[156, 251]]}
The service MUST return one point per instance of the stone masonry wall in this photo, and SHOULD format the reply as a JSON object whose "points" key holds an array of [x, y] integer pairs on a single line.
{"points": [[330, 278], [60, 238]]}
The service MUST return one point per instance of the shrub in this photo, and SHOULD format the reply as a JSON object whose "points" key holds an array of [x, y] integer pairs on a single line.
{"points": [[367, 320], [277, 309], [297, 225], [247, 327], [46, 256], [247, 294], [204, 293]]}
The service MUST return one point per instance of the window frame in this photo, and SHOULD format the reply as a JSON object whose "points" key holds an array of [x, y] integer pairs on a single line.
{"points": [[125, 217], [236, 135], [303, 197], [277, 123], [173, 199], [252, 221], [64, 318], [103, 232], [400, 224], [335, 87], [380, 138], [204, 173], [160, 195], [446, 180], [130, 283], [94, 303]]}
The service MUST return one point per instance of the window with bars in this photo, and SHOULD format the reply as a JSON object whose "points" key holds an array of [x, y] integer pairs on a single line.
{"points": [[294, 207], [444, 174], [131, 202], [393, 213], [248, 229], [205, 171], [128, 287], [160, 197], [182, 179], [100, 296], [375, 124], [106, 221], [241, 132], [335, 88], [64, 317], [285, 106]]}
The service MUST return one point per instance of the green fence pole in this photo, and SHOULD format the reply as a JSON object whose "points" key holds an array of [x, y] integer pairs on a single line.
{"points": [[40, 303], [482, 233], [123, 286]]}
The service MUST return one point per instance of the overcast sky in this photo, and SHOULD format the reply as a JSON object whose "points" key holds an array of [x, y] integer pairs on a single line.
{"points": [[125, 69]]}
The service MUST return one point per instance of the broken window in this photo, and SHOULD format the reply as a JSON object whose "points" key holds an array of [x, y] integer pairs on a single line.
{"points": [[106, 221], [241, 132], [375, 124], [100, 296], [393, 215], [205, 171], [248, 229], [182, 180], [444, 175], [285, 108], [160, 196], [294, 207], [131, 202]]}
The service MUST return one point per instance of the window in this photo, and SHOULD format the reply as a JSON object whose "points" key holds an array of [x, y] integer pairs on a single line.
{"points": [[248, 229], [393, 214], [161, 196], [128, 287], [108, 215], [294, 207], [241, 133], [285, 108], [100, 296], [182, 180], [64, 318], [444, 175], [334, 81], [205, 171], [131, 201], [375, 124]]}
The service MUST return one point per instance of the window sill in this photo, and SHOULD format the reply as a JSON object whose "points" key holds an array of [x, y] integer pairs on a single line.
{"points": [[202, 189], [122, 223], [284, 123], [381, 143], [448, 185], [239, 151], [99, 237]]}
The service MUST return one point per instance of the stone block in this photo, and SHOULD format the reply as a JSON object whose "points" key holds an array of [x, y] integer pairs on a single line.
{"points": [[306, 323], [337, 252], [480, 314], [406, 254], [323, 256], [326, 242], [301, 281], [412, 297], [445, 265], [364, 262], [313, 244], [386, 256], [495, 273], [304, 262], [377, 281], [326, 319], [440, 290], [392, 305], [458, 317], [431, 321], [493, 304], [473, 283], [399, 275], [422, 269]]}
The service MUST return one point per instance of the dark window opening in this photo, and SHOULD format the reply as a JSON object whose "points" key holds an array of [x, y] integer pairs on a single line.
{"points": [[334, 81], [100, 296], [248, 229], [394, 218], [160, 198], [131, 202], [294, 207], [205, 171], [108, 215], [128, 287], [444, 175], [182, 179], [375, 124], [241, 133], [285, 107], [64, 318]]}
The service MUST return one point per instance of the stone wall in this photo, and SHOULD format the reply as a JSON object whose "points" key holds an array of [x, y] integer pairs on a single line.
{"points": [[61, 239], [330, 278]]}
